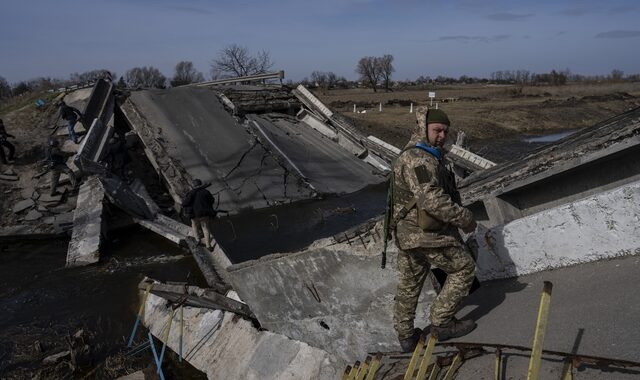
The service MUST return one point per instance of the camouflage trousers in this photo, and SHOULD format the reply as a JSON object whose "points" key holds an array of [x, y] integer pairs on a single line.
{"points": [[414, 266]]}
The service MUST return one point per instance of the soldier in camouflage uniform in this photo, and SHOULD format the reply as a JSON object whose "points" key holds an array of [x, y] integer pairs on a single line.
{"points": [[427, 212]]}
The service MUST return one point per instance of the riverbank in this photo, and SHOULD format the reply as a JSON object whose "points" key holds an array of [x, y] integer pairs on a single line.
{"points": [[49, 309]]}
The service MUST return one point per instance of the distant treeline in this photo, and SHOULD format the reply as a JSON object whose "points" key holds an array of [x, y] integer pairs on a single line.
{"points": [[185, 73]]}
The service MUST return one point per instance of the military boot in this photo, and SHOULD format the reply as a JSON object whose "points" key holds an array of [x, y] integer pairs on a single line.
{"points": [[453, 329], [409, 344]]}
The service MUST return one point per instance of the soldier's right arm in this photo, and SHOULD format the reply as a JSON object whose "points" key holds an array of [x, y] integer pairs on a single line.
{"points": [[429, 195]]}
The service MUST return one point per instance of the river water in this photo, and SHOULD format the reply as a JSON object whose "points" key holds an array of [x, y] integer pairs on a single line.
{"points": [[509, 149], [42, 302]]}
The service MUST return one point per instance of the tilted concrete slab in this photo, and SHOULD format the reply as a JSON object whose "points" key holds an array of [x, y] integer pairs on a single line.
{"points": [[225, 346], [602, 226], [333, 295], [595, 159], [189, 134], [336, 297], [98, 115], [328, 167], [84, 247]]}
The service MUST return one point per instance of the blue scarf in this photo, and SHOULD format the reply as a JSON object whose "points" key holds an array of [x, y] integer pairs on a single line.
{"points": [[429, 149]]}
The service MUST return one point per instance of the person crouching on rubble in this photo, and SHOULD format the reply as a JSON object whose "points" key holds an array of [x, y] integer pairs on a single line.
{"points": [[71, 115], [56, 161], [198, 206], [426, 232]]}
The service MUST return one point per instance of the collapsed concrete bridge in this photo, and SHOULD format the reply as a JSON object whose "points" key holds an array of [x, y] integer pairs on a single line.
{"points": [[301, 246]]}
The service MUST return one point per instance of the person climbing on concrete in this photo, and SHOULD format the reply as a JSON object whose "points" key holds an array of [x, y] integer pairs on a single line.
{"points": [[5, 143], [71, 115], [427, 213], [56, 161], [198, 206]]}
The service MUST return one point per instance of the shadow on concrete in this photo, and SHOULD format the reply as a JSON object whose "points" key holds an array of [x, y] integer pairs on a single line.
{"points": [[490, 295]]}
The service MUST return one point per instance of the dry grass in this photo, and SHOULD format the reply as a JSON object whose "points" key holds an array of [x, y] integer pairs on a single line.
{"points": [[488, 112]]}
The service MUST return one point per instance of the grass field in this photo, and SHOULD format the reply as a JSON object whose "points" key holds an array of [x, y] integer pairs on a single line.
{"points": [[490, 112]]}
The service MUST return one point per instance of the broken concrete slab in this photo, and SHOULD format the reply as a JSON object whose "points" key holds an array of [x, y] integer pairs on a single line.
{"points": [[333, 296], [27, 232], [50, 198], [61, 209], [249, 168], [55, 358], [328, 167], [121, 195], [592, 160], [26, 193], [33, 215], [209, 266], [598, 227], [163, 230], [224, 346], [138, 187], [9, 177], [139, 375], [23, 205], [84, 247]]}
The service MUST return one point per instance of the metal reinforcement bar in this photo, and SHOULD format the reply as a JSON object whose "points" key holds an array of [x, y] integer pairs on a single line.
{"points": [[588, 359], [249, 78]]}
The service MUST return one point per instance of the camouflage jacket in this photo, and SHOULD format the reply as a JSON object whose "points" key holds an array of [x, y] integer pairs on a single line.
{"points": [[419, 174]]}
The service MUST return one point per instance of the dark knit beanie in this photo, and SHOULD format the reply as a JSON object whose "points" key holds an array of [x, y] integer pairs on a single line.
{"points": [[437, 116]]}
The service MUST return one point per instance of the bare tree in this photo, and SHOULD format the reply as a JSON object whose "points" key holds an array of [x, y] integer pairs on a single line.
{"points": [[91, 76], [324, 80], [146, 77], [385, 69], [368, 71], [5, 89], [236, 61], [20, 88], [616, 75], [185, 73]]}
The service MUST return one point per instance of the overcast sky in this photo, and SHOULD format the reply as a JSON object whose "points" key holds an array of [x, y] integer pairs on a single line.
{"points": [[452, 37]]}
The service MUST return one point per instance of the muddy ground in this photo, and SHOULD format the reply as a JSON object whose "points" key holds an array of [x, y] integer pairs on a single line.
{"points": [[47, 309]]}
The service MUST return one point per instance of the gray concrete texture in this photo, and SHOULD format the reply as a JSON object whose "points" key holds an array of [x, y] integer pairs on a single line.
{"points": [[333, 296], [328, 167], [224, 346], [212, 145], [592, 160], [84, 247], [598, 227]]}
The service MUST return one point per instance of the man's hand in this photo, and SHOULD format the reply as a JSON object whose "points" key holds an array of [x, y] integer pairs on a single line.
{"points": [[470, 228]]}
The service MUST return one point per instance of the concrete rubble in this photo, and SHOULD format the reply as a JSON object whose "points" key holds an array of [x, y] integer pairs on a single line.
{"points": [[23, 205], [225, 346], [88, 225], [300, 247]]}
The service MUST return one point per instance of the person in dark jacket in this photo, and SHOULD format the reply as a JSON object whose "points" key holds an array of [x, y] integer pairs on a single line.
{"points": [[56, 161], [71, 115], [198, 206], [117, 157], [5, 143]]}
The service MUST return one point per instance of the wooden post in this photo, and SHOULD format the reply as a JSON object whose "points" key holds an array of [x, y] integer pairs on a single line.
{"points": [[541, 329]]}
